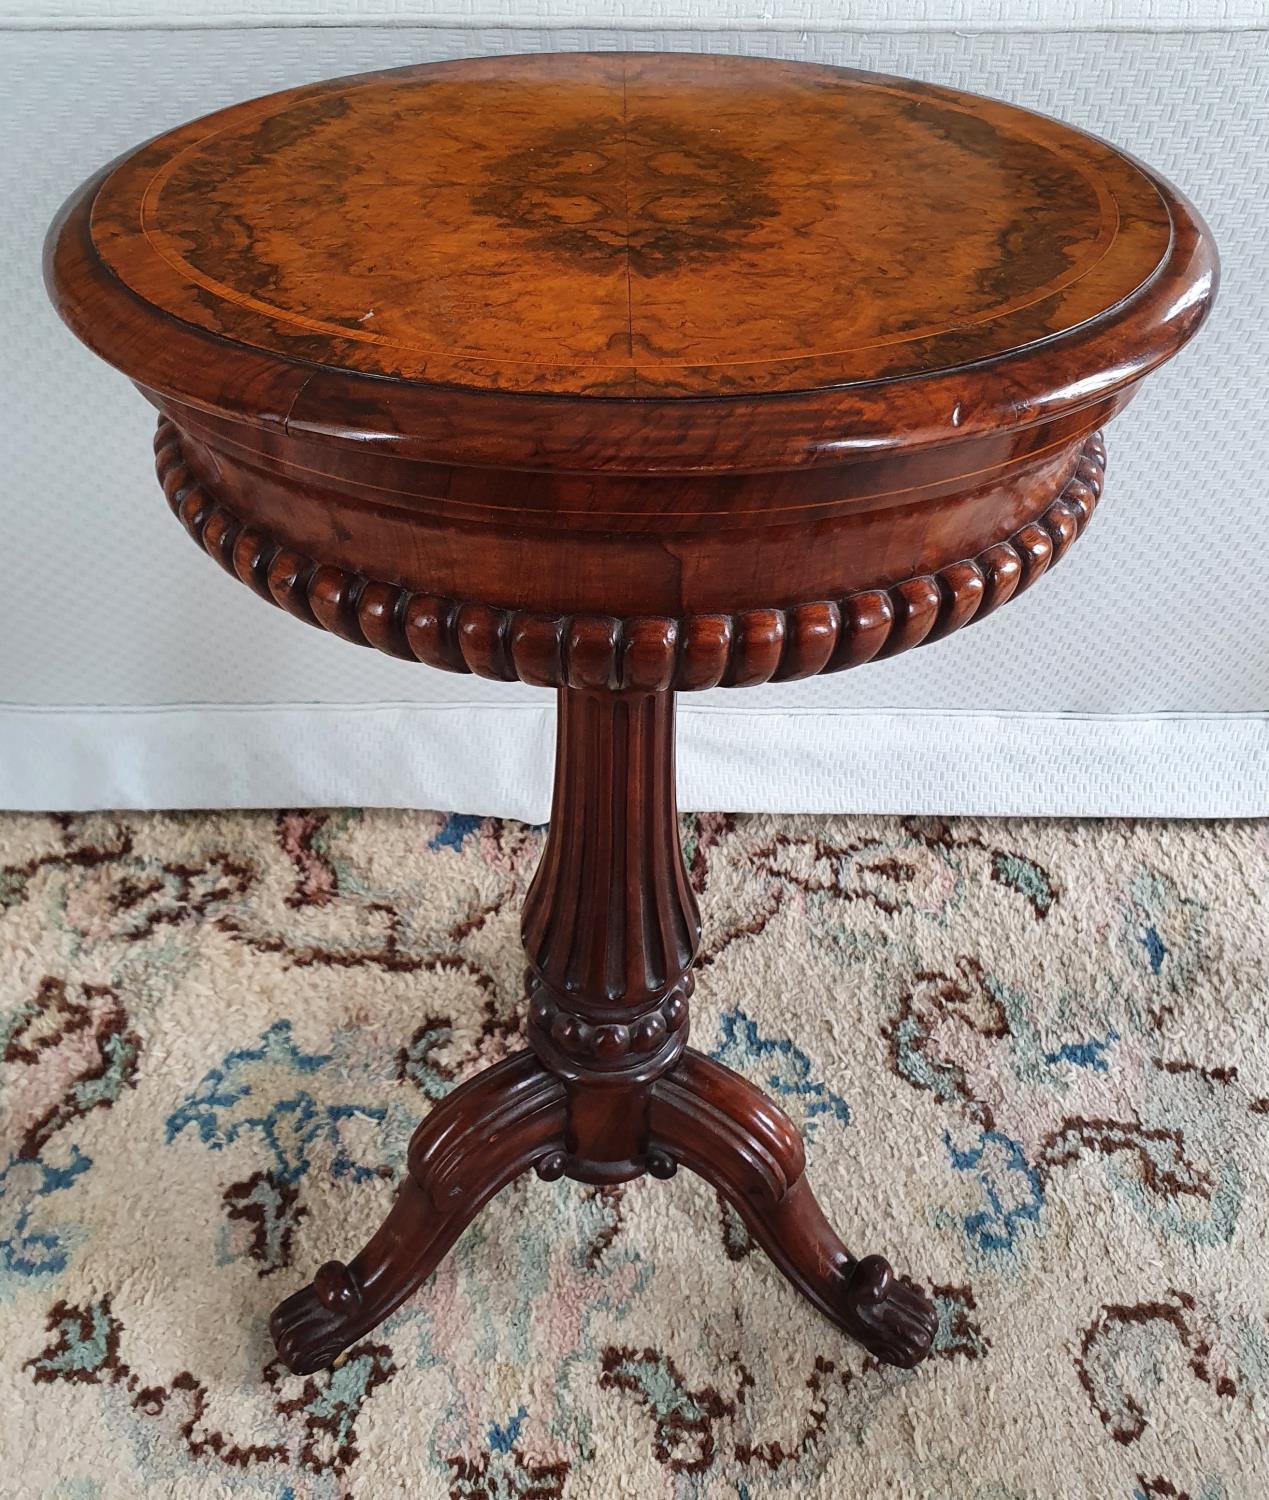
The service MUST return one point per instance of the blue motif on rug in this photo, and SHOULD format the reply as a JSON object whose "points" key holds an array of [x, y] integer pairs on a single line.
{"points": [[1086, 1054], [784, 1068], [28, 1249], [1012, 1187], [222, 1109], [455, 831]]}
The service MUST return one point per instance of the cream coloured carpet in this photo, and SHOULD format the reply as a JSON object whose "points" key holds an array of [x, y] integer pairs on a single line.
{"points": [[1031, 1060]]}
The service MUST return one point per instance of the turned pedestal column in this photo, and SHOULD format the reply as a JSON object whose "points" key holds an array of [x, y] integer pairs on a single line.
{"points": [[610, 926]]}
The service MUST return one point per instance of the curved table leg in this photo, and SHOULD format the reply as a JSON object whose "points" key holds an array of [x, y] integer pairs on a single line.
{"points": [[708, 1118], [476, 1141]]}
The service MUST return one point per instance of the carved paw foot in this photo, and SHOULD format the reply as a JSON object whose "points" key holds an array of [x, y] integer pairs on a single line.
{"points": [[313, 1326], [893, 1321]]}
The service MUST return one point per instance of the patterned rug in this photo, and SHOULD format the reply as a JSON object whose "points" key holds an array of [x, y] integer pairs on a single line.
{"points": [[1031, 1060]]}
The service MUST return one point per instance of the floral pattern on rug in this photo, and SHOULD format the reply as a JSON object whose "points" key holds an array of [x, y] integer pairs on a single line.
{"points": [[1030, 1059]]}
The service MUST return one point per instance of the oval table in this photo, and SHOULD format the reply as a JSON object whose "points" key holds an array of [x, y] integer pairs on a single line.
{"points": [[627, 375]]}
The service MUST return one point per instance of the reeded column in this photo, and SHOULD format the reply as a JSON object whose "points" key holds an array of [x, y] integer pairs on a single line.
{"points": [[610, 923]]}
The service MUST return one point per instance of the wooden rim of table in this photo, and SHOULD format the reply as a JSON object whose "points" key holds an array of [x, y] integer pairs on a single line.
{"points": [[747, 430]]}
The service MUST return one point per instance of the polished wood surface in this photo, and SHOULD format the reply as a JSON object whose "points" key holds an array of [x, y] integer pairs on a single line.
{"points": [[627, 375], [994, 286], [734, 646], [626, 226], [490, 234]]}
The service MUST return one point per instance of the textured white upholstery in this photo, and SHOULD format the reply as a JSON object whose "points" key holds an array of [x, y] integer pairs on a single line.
{"points": [[1136, 680], [659, 15]]}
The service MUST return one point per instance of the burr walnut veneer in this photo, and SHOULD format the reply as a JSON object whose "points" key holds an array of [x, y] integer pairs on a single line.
{"points": [[627, 375]]}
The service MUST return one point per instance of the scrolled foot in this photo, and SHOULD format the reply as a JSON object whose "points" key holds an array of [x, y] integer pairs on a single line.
{"points": [[711, 1120], [480, 1137], [895, 1322], [313, 1326]]}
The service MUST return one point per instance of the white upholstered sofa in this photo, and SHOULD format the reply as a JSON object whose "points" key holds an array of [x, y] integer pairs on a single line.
{"points": [[1136, 680]]}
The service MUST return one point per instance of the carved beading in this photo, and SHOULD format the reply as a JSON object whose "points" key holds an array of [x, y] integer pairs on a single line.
{"points": [[643, 1047], [645, 654]]}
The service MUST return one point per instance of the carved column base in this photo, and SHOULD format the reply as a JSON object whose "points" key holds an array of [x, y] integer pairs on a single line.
{"points": [[517, 1115]]}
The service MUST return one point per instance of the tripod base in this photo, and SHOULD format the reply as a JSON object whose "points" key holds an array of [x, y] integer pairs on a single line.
{"points": [[609, 1089], [518, 1115]]}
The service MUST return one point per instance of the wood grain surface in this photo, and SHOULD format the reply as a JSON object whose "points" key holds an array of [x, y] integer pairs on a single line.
{"points": [[618, 225], [619, 261]]}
